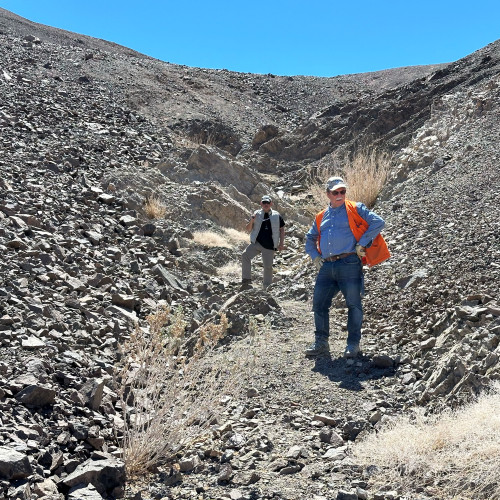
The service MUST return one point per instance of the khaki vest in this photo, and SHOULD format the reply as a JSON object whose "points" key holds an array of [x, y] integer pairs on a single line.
{"points": [[275, 226]]}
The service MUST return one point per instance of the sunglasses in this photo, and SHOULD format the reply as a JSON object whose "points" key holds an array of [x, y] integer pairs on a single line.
{"points": [[335, 193], [268, 202]]}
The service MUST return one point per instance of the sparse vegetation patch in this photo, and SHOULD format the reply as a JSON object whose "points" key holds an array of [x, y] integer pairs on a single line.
{"points": [[453, 455], [168, 400], [227, 238], [365, 173], [154, 207]]}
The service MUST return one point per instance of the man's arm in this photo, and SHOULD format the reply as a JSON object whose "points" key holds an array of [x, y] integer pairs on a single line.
{"points": [[250, 223], [375, 225], [311, 239], [281, 246]]}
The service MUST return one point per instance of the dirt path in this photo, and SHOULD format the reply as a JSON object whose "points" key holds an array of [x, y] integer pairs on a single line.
{"points": [[327, 384], [288, 435], [300, 403]]}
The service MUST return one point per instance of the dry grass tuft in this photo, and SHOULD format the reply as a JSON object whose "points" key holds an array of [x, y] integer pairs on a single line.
{"points": [[229, 238], [237, 238], [365, 174], [154, 207], [167, 401], [454, 455], [211, 239], [211, 333]]}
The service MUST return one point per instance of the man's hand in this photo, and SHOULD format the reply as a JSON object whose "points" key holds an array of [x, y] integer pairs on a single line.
{"points": [[250, 223], [281, 247], [318, 262], [361, 251]]}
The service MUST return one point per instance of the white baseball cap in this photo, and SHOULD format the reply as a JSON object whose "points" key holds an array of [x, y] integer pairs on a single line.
{"points": [[334, 183]]}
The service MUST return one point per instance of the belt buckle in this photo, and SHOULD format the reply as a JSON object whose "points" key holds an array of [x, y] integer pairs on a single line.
{"points": [[333, 258]]}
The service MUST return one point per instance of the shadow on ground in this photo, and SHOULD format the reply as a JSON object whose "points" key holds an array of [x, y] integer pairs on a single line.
{"points": [[350, 373]]}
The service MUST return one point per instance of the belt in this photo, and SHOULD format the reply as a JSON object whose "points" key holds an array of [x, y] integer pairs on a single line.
{"points": [[333, 258]]}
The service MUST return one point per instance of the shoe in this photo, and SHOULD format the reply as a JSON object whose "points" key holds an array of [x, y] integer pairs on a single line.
{"points": [[351, 351], [246, 285], [318, 348]]}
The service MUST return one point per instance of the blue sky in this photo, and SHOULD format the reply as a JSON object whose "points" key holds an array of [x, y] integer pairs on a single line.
{"points": [[308, 37]]}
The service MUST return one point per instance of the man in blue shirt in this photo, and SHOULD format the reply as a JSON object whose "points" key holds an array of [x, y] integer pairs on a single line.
{"points": [[337, 256]]}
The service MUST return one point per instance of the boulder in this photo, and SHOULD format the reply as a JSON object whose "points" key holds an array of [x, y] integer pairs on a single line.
{"points": [[13, 464], [36, 396], [105, 475]]}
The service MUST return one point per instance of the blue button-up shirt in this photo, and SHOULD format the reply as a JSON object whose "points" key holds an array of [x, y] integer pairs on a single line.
{"points": [[336, 235]]}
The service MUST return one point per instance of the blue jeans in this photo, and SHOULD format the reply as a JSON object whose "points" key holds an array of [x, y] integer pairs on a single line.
{"points": [[344, 275]]}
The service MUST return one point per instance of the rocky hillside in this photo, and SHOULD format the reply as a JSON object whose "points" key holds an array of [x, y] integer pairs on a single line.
{"points": [[91, 130]]}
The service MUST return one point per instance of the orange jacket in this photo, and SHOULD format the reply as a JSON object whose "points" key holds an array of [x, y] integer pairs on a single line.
{"points": [[377, 252]]}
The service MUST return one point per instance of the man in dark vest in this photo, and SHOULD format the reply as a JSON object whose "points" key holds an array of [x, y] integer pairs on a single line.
{"points": [[267, 235], [342, 237]]}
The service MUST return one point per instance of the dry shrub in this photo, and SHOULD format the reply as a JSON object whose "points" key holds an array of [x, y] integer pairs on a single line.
{"points": [[229, 238], [237, 238], [365, 174], [154, 207], [454, 455], [167, 400], [211, 239], [211, 333]]}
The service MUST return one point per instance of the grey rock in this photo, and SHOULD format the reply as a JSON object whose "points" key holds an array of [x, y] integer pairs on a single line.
{"points": [[149, 229], [108, 199], [335, 453], [79, 431], [128, 220], [21, 492], [245, 478], [332, 421], [414, 279], [47, 488], [17, 244], [122, 300], [104, 475], [14, 465], [428, 344], [294, 452], [36, 396], [92, 393], [382, 361], [126, 315], [252, 392], [362, 494], [291, 469], [84, 492], [346, 495], [168, 278], [189, 464], [225, 473], [325, 434], [32, 343]]}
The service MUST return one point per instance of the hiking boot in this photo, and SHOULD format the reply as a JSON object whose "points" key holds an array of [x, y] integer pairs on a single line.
{"points": [[246, 285], [318, 348], [351, 351]]}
